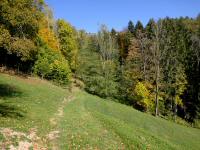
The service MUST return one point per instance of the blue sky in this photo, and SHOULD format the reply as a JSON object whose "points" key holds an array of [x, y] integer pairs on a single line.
{"points": [[89, 14]]}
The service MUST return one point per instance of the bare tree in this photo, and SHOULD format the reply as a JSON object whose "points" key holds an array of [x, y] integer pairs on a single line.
{"points": [[108, 53], [144, 45], [157, 54]]}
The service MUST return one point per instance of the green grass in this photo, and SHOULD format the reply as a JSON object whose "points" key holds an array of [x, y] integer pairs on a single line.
{"points": [[88, 122], [28, 103], [103, 124]]}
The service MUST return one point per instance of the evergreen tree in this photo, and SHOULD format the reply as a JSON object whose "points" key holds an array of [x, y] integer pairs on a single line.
{"points": [[139, 27], [113, 33], [150, 28], [131, 28]]}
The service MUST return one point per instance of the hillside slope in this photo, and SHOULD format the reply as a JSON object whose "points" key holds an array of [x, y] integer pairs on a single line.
{"points": [[35, 113]]}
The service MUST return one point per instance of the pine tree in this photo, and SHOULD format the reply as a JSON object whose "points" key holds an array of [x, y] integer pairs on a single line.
{"points": [[139, 28], [150, 29], [131, 28]]}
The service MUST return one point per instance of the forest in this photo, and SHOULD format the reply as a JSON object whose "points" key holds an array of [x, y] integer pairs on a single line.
{"points": [[154, 68]]}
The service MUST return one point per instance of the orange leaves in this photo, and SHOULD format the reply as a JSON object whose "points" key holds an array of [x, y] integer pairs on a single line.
{"points": [[49, 38], [134, 50]]}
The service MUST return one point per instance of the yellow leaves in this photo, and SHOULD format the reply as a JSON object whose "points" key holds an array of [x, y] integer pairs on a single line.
{"points": [[180, 85], [49, 38], [178, 101], [143, 95], [4, 36], [47, 34], [141, 90]]}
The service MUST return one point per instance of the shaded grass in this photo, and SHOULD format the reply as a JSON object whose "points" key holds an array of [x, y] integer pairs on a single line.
{"points": [[7, 90], [10, 111], [28, 103], [6, 109]]}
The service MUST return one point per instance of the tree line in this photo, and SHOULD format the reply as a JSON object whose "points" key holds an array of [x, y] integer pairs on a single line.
{"points": [[154, 68], [32, 41]]}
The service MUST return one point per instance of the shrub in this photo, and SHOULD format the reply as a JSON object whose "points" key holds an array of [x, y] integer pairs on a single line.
{"points": [[143, 96], [60, 72], [52, 65]]}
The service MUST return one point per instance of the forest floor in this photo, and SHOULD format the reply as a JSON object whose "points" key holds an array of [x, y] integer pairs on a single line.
{"points": [[35, 114]]}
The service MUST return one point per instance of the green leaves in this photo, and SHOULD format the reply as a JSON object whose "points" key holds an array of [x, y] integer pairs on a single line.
{"points": [[68, 43], [53, 66], [19, 22], [23, 48], [20, 17], [4, 36], [60, 72], [98, 64]]}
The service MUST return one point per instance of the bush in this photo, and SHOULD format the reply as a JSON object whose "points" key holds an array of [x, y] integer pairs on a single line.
{"points": [[52, 65], [60, 72], [41, 67], [101, 87], [143, 97]]}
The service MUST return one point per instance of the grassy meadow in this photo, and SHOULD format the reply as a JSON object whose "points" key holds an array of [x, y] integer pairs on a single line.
{"points": [[81, 120]]}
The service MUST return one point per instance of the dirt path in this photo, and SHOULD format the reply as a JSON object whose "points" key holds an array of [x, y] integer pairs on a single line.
{"points": [[31, 140], [54, 135]]}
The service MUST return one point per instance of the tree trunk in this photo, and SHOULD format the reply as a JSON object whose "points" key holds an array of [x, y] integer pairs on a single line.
{"points": [[175, 108], [156, 100], [157, 90], [144, 68]]}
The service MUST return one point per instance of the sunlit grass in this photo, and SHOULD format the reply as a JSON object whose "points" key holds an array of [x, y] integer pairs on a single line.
{"points": [[97, 123], [88, 122]]}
